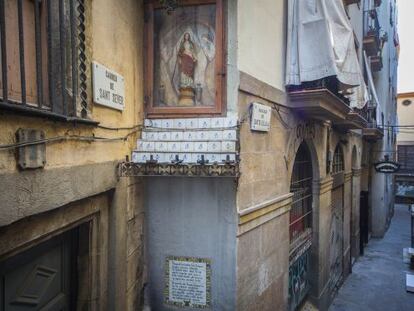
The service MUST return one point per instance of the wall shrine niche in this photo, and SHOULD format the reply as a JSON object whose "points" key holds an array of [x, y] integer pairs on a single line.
{"points": [[184, 58]]}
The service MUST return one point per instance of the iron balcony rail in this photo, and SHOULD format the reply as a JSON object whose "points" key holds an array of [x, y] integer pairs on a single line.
{"points": [[43, 55], [329, 83], [372, 39]]}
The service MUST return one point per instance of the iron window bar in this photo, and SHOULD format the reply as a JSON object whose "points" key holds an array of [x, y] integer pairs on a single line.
{"points": [[58, 47]]}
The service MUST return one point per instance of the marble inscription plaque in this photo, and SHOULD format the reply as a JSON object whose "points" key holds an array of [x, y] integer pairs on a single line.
{"points": [[188, 282]]}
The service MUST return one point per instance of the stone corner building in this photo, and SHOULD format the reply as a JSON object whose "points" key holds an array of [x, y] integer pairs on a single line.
{"points": [[232, 140]]}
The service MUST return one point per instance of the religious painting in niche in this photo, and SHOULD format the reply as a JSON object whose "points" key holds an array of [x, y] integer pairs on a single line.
{"points": [[185, 57]]}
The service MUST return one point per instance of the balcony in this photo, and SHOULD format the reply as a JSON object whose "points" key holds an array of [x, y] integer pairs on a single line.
{"points": [[355, 120], [319, 100], [372, 41], [372, 132], [376, 63]]}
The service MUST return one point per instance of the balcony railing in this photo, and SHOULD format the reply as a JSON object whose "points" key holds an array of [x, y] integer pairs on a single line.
{"points": [[373, 131], [330, 83], [372, 40]]}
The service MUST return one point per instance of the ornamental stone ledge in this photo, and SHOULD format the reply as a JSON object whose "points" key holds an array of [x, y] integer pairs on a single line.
{"points": [[263, 212]]}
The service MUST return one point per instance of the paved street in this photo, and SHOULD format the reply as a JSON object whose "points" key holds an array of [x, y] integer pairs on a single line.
{"points": [[378, 278]]}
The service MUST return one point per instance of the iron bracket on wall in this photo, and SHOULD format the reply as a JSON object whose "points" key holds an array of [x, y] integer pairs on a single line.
{"points": [[130, 169]]}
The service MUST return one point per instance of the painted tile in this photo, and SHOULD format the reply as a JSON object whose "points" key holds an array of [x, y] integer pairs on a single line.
{"points": [[148, 146], [200, 147], [140, 157], [160, 157], [191, 123], [177, 136], [164, 136], [149, 135], [215, 135], [195, 157], [214, 146], [161, 146], [157, 123], [169, 157], [232, 157], [173, 146], [229, 135], [186, 157], [140, 145], [230, 122], [217, 122], [204, 123], [189, 135], [187, 146], [228, 146], [179, 123], [167, 123], [213, 157], [203, 135]]}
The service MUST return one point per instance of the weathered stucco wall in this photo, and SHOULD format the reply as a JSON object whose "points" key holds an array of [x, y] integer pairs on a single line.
{"points": [[263, 200], [261, 40], [80, 177], [192, 217], [405, 117]]}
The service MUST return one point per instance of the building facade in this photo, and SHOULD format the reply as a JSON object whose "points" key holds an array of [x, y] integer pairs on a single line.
{"points": [[71, 230], [192, 137]]}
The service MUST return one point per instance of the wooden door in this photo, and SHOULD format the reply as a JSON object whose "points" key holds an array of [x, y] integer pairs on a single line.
{"points": [[41, 278]]}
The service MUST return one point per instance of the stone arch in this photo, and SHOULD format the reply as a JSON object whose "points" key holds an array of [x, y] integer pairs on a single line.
{"points": [[303, 246], [314, 157]]}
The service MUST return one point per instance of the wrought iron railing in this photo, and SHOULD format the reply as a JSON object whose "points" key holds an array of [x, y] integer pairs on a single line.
{"points": [[372, 27], [328, 83], [43, 62]]}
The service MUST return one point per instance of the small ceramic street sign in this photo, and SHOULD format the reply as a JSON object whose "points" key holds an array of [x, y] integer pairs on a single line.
{"points": [[260, 117], [108, 87], [387, 166]]}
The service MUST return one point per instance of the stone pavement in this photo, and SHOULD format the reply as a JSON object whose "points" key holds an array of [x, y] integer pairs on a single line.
{"points": [[377, 281]]}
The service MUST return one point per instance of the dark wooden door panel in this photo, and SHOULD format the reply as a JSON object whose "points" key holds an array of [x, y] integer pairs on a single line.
{"points": [[40, 278]]}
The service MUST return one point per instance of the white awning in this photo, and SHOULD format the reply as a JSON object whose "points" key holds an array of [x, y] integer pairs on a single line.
{"points": [[320, 43]]}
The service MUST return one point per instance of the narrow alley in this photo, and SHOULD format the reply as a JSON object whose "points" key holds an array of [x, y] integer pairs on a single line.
{"points": [[377, 281]]}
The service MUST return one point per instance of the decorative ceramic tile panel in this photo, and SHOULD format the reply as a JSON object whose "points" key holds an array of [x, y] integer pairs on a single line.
{"points": [[182, 141]]}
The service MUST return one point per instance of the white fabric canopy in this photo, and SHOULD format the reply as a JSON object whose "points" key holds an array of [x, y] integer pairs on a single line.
{"points": [[320, 43]]}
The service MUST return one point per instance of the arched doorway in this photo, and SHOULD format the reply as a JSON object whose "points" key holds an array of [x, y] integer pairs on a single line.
{"points": [[336, 247], [300, 227]]}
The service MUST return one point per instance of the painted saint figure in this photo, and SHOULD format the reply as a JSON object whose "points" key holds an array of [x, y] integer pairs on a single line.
{"points": [[187, 61]]}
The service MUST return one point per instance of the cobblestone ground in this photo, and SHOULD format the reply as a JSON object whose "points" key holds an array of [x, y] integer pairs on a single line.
{"points": [[377, 281]]}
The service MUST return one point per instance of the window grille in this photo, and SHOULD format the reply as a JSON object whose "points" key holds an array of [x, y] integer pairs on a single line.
{"points": [[338, 161], [43, 55], [301, 187]]}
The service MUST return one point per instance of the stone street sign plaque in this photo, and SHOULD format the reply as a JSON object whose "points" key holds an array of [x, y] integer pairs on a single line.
{"points": [[260, 117], [188, 282], [108, 87]]}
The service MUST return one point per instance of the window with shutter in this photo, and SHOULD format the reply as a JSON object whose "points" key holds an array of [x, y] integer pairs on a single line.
{"points": [[43, 56]]}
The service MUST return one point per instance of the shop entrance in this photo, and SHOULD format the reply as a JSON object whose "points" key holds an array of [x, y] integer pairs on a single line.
{"points": [[300, 227]]}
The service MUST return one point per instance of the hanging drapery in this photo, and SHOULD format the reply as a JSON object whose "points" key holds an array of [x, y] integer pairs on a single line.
{"points": [[320, 43]]}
